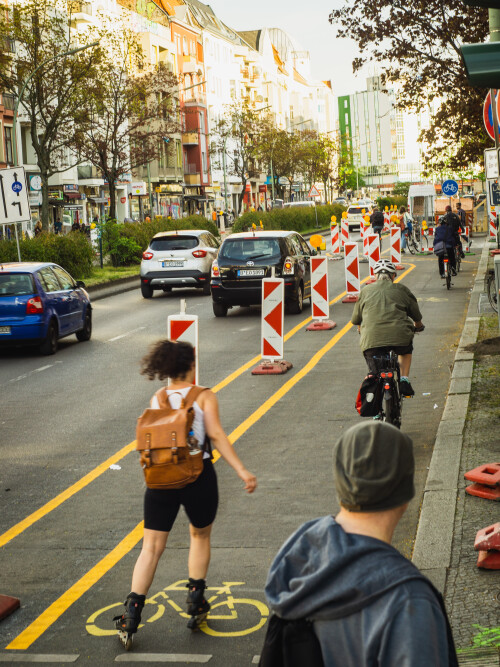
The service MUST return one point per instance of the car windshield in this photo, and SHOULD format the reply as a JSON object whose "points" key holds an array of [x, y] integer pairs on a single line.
{"points": [[355, 209], [174, 242], [243, 250], [16, 284]]}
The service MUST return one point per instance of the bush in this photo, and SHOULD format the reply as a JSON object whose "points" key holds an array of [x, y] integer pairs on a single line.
{"points": [[398, 201], [297, 219], [72, 251]]}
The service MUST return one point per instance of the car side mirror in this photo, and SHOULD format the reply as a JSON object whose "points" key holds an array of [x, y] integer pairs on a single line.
{"points": [[313, 252], [80, 283]]}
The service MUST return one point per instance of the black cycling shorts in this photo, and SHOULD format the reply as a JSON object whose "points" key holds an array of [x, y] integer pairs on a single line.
{"points": [[200, 500], [379, 351]]}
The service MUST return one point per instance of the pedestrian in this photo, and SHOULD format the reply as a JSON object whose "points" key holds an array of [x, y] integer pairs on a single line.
{"points": [[462, 216], [405, 226], [38, 228], [368, 605], [176, 361], [444, 245], [75, 227], [58, 226]]}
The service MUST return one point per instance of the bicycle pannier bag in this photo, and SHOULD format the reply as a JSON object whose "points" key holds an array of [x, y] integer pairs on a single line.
{"points": [[162, 435], [290, 644], [439, 248], [369, 397]]}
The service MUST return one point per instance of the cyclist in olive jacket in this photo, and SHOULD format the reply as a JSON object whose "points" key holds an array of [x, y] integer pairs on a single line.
{"points": [[387, 316]]}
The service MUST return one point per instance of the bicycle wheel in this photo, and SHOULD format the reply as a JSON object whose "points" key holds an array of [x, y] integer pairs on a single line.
{"points": [[448, 278], [412, 245], [458, 260], [492, 292]]}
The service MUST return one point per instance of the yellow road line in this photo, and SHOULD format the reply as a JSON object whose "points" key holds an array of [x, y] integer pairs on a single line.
{"points": [[18, 528], [57, 608]]}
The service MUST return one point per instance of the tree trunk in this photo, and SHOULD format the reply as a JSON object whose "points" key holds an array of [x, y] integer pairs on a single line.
{"points": [[112, 199], [45, 201]]}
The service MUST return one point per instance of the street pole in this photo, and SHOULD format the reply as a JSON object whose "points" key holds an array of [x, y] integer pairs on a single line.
{"points": [[149, 192], [225, 172]]}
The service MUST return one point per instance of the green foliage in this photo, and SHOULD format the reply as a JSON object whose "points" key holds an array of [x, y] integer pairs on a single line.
{"points": [[402, 188], [401, 200], [296, 219], [72, 251]]}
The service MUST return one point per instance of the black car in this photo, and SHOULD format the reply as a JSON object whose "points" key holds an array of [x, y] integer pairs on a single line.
{"points": [[245, 259]]}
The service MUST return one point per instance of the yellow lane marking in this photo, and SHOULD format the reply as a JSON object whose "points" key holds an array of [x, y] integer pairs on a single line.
{"points": [[57, 608], [94, 474]]}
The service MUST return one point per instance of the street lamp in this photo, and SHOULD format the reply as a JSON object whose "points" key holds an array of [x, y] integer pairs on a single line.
{"points": [[19, 97]]}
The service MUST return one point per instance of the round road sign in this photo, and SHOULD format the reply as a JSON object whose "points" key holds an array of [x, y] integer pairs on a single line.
{"points": [[16, 186], [488, 115], [449, 188]]}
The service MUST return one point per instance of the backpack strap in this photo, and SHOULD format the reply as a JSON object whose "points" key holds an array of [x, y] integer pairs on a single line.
{"points": [[192, 395], [187, 402]]}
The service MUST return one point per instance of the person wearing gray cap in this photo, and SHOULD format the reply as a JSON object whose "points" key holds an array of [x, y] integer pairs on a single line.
{"points": [[367, 603]]}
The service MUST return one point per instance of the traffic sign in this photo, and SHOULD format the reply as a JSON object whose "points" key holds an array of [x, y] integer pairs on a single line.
{"points": [[491, 163], [449, 188], [314, 192], [488, 115], [14, 204]]}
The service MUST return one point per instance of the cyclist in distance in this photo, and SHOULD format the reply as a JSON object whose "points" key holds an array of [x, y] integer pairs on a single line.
{"points": [[387, 316], [444, 234], [453, 221], [377, 222]]}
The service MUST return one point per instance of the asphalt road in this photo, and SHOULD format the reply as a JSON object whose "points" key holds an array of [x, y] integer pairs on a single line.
{"points": [[70, 524]]}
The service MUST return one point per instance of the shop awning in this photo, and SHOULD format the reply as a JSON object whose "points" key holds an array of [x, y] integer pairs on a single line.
{"points": [[72, 195], [99, 200]]}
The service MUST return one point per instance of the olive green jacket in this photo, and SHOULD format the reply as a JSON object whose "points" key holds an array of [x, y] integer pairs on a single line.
{"points": [[386, 312]]}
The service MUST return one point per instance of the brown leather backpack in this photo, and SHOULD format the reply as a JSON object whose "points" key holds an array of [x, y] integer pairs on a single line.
{"points": [[162, 434]]}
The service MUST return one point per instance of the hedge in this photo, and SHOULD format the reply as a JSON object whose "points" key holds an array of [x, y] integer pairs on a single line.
{"points": [[398, 201], [297, 218], [71, 251]]}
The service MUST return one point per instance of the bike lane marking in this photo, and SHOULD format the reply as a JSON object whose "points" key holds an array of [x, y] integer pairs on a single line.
{"points": [[37, 627], [58, 500]]}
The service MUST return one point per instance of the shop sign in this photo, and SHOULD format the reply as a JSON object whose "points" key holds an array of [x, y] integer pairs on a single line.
{"points": [[35, 182], [35, 198], [262, 188], [137, 188], [56, 194], [70, 188], [123, 200]]}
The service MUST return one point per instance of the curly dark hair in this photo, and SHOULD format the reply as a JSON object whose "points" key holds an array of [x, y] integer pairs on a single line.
{"points": [[168, 359]]}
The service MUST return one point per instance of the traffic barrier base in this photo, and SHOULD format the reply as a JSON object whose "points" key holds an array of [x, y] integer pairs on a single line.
{"points": [[488, 538], [483, 491], [267, 367], [350, 298], [8, 604], [321, 325], [488, 474], [489, 560], [492, 253]]}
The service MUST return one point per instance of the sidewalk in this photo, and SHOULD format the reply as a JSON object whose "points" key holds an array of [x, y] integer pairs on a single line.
{"points": [[468, 436]]}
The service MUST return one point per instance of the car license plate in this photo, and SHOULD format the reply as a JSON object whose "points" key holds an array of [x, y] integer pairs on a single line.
{"points": [[243, 273], [4, 330], [172, 262]]}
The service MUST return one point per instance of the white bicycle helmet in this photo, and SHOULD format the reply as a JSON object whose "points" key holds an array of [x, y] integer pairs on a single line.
{"points": [[384, 266]]}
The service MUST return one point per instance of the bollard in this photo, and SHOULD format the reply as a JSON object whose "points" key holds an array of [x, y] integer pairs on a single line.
{"points": [[396, 248], [492, 225], [344, 232], [351, 272], [334, 237], [373, 256], [183, 327], [319, 296]]}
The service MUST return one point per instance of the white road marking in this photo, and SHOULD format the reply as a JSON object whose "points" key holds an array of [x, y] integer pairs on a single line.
{"points": [[163, 657], [34, 657], [111, 340], [43, 368], [36, 370]]}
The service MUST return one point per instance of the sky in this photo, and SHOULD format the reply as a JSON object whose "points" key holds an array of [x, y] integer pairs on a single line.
{"points": [[307, 23]]}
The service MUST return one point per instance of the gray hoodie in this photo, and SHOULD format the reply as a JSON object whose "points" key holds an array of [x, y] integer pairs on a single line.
{"points": [[369, 604]]}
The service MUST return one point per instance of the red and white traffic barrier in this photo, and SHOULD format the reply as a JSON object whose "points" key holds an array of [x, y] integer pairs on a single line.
{"points": [[396, 248], [319, 296], [184, 327], [493, 223], [387, 220], [273, 316], [374, 255], [366, 231], [351, 272], [344, 231], [334, 236]]}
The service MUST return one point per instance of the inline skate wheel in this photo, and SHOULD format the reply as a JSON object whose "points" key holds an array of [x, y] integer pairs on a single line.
{"points": [[195, 621], [126, 639]]}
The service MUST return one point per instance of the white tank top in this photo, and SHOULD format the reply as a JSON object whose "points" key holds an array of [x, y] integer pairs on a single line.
{"points": [[175, 396]]}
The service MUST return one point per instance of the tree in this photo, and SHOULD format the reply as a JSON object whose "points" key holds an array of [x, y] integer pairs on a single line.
{"points": [[129, 111], [348, 176], [237, 134], [54, 94], [401, 188], [418, 44]]}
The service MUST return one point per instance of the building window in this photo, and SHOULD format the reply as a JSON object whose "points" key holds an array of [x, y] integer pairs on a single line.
{"points": [[185, 46], [8, 145], [178, 147], [345, 104]]}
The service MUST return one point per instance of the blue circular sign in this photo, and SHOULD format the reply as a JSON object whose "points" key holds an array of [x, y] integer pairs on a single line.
{"points": [[449, 188], [16, 186]]}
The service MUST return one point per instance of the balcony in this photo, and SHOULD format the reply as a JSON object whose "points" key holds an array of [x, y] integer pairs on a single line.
{"points": [[190, 139], [192, 179], [80, 11], [189, 64], [7, 45]]}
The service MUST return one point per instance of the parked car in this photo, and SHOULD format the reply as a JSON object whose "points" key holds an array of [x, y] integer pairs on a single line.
{"points": [[245, 259], [178, 259], [41, 303], [355, 215], [341, 200]]}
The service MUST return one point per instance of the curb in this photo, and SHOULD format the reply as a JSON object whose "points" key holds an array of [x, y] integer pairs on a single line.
{"points": [[97, 292], [433, 542]]}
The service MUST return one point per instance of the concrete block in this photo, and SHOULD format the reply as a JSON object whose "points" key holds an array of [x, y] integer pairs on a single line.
{"points": [[460, 386], [444, 467], [435, 530], [456, 407], [464, 355], [455, 428], [437, 576], [463, 369]]}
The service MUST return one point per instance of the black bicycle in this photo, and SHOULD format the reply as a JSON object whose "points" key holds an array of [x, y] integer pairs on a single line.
{"points": [[389, 375], [491, 290]]}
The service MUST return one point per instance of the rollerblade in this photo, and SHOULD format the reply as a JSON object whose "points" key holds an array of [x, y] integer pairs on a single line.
{"points": [[128, 622], [198, 607]]}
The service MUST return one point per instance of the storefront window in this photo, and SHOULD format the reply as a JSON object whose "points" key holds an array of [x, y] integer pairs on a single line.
{"points": [[8, 145]]}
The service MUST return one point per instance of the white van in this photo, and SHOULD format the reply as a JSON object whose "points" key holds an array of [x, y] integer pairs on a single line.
{"points": [[296, 204], [355, 215]]}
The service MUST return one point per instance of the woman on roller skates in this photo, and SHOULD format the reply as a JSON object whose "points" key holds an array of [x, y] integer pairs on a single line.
{"points": [[175, 360]]}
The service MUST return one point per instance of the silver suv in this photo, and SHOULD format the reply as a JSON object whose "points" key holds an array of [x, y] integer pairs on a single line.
{"points": [[178, 259]]}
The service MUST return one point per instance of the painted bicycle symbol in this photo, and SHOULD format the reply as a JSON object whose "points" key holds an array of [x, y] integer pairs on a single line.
{"points": [[250, 611]]}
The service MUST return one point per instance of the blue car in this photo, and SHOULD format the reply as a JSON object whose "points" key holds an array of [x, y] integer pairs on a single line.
{"points": [[40, 303]]}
